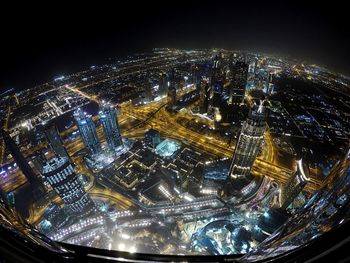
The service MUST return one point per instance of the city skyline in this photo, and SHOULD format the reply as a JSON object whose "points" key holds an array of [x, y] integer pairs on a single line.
{"points": [[155, 147], [316, 33]]}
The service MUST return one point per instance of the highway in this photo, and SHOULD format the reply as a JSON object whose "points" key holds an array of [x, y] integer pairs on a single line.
{"points": [[156, 116]]}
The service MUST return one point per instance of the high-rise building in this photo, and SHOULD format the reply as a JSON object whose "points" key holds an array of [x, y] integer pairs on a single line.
{"points": [[171, 97], [36, 184], [247, 148], [163, 87], [195, 76], [270, 85], [148, 92], [204, 94], [60, 174], [55, 141], [171, 90], [87, 131], [214, 85], [238, 83], [295, 184], [109, 120]]}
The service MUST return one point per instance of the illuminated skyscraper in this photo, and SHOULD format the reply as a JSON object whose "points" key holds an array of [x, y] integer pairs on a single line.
{"points": [[238, 83], [55, 141], [214, 86], [295, 184], [171, 90], [247, 148], [35, 183], [163, 87], [87, 131], [60, 174], [109, 120]]}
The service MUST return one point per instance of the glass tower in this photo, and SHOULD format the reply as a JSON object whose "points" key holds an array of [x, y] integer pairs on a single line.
{"points": [[295, 184], [247, 148], [87, 131], [109, 120]]}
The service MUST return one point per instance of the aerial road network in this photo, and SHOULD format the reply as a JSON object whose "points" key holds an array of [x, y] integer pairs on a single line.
{"points": [[179, 152]]}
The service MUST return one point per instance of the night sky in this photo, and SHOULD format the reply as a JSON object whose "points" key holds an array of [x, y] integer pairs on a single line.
{"points": [[40, 42]]}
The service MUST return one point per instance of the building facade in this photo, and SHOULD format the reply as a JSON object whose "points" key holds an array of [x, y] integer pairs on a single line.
{"points": [[249, 143], [109, 120], [171, 95], [87, 130], [295, 184], [238, 83], [163, 87], [60, 174], [55, 141]]}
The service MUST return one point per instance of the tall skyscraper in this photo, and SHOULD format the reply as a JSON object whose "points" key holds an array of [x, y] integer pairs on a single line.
{"points": [[148, 92], [295, 184], [171, 90], [60, 174], [109, 120], [195, 76], [214, 85], [238, 83], [35, 183], [87, 131], [247, 148], [55, 141], [204, 94], [270, 85], [163, 87]]}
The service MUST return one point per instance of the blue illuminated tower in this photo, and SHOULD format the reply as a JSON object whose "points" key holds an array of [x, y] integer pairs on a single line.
{"points": [[109, 120], [87, 131]]}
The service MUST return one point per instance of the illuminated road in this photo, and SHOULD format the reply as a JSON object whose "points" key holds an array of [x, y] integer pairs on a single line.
{"points": [[156, 116], [266, 165]]}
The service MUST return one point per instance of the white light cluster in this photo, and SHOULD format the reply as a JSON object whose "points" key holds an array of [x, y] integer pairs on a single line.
{"points": [[77, 227], [123, 214], [191, 206], [165, 192], [140, 224], [82, 238]]}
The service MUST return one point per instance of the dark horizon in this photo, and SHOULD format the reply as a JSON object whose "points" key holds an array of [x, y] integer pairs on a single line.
{"points": [[66, 39]]}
